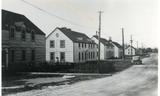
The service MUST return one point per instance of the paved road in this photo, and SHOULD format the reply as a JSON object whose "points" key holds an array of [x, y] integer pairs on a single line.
{"points": [[139, 80]]}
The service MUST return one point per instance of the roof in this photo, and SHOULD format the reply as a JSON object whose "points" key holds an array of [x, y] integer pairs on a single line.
{"points": [[74, 36], [103, 41], [11, 18], [117, 44], [129, 46]]}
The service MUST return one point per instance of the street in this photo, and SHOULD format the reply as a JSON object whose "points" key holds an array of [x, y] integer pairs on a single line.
{"points": [[138, 80]]}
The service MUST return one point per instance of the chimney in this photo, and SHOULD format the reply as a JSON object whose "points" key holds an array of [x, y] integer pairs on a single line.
{"points": [[110, 38]]}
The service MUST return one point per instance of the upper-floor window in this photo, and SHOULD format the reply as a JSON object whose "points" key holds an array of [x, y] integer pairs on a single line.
{"points": [[23, 35], [79, 45], [85, 45], [32, 35], [12, 33], [82, 45], [62, 43], [52, 44]]}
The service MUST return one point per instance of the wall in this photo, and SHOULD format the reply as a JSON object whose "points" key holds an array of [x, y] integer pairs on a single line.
{"points": [[102, 49], [81, 50], [129, 50], [18, 45]]}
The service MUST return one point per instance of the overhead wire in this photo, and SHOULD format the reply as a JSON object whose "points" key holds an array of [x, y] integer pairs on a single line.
{"points": [[51, 14]]}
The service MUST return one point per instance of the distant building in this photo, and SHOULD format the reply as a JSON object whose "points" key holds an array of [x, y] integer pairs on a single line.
{"points": [[106, 48], [23, 43], [118, 50], [130, 50], [65, 45]]}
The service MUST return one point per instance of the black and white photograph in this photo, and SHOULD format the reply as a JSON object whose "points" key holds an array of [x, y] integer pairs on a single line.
{"points": [[79, 47]]}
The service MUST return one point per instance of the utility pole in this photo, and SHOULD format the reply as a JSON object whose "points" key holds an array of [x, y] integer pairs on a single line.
{"points": [[131, 45], [137, 44], [99, 36], [123, 57]]}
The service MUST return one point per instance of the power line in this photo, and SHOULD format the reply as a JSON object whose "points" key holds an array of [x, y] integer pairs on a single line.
{"points": [[51, 14]]}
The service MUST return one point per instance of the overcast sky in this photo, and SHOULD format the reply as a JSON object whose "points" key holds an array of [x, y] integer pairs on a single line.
{"points": [[138, 17]]}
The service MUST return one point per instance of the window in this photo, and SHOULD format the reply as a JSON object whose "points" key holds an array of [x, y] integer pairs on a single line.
{"points": [[93, 54], [52, 56], [82, 45], [79, 56], [23, 36], [62, 43], [82, 56], [79, 45], [23, 55], [85, 45], [12, 55], [33, 55], [32, 35], [52, 44], [62, 56], [85, 55], [12, 32], [88, 55]]}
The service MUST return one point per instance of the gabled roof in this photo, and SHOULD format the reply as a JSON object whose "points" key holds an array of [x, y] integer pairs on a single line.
{"points": [[74, 36], [117, 44], [103, 41], [11, 18], [130, 46]]}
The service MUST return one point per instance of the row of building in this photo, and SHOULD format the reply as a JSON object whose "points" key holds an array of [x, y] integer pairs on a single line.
{"points": [[24, 43]]}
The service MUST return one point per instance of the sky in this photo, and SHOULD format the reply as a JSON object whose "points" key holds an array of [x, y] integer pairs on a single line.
{"points": [[137, 17]]}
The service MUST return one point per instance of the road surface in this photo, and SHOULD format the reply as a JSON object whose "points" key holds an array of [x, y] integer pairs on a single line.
{"points": [[138, 80]]}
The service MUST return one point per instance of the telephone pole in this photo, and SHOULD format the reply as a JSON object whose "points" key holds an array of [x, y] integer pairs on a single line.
{"points": [[99, 36], [123, 57], [131, 45], [137, 44]]}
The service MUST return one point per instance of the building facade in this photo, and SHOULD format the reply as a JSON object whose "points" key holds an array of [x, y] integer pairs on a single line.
{"points": [[65, 45], [130, 51], [106, 48], [23, 43]]}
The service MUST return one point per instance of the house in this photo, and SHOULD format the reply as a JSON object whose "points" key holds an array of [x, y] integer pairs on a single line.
{"points": [[23, 43], [106, 48], [66, 45], [118, 50], [130, 50]]}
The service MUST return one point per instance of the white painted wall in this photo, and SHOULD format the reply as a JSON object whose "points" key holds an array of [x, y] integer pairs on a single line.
{"points": [[102, 48], [68, 46], [128, 51]]}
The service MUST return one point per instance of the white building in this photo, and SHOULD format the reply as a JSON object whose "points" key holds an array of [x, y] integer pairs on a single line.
{"points": [[130, 49], [118, 50], [106, 48], [65, 45]]}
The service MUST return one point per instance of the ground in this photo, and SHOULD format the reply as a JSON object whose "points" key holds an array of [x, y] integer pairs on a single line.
{"points": [[138, 80]]}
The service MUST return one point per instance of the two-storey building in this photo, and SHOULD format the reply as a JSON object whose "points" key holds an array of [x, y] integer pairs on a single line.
{"points": [[106, 48], [130, 50], [23, 43], [66, 45]]}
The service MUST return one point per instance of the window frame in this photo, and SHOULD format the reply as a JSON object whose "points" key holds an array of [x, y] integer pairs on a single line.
{"points": [[23, 35], [33, 35], [52, 54], [61, 56], [12, 33], [51, 43], [62, 43]]}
